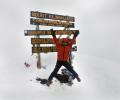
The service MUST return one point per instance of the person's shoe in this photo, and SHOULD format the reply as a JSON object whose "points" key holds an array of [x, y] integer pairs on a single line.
{"points": [[48, 83], [38, 79], [43, 81], [78, 79]]}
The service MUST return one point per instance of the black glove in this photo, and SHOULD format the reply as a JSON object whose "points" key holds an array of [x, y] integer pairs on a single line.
{"points": [[52, 32], [76, 34]]}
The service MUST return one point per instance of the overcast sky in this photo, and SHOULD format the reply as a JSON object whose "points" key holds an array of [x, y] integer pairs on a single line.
{"points": [[97, 20]]}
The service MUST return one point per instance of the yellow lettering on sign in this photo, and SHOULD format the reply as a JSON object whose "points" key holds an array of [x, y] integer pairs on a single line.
{"points": [[51, 23], [48, 32], [51, 16], [47, 49]]}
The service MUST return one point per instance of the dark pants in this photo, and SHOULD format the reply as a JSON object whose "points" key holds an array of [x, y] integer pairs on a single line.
{"points": [[58, 66]]}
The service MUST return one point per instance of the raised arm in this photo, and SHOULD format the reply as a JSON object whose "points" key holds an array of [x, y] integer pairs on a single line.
{"points": [[53, 33], [54, 36], [76, 34], [74, 38]]}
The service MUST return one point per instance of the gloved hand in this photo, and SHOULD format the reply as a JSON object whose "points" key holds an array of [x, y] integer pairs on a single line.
{"points": [[51, 29], [76, 34], [52, 32]]}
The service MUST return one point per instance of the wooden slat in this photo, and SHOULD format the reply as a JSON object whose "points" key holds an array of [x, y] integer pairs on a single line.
{"points": [[48, 49], [48, 32], [51, 16], [51, 23], [43, 41]]}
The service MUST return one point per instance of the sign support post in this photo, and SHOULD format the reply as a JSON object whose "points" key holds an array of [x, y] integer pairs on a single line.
{"points": [[38, 54]]}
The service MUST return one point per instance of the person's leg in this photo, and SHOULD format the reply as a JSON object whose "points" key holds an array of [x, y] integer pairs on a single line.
{"points": [[56, 69], [70, 68]]}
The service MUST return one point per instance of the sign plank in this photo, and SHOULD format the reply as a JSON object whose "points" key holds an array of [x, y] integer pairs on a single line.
{"points": [[51, 23], [43, 40], [48, 32], [48, 49], [51, 16]]}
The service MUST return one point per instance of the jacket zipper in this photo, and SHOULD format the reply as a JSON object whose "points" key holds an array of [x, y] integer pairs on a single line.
{"points": [[63, 53]]}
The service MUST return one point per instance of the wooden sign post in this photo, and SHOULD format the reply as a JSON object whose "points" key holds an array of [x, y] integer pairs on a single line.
{"points": [[39, 65]]}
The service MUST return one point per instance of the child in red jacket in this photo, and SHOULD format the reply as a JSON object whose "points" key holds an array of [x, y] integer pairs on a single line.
{"points": [[63, 54]]}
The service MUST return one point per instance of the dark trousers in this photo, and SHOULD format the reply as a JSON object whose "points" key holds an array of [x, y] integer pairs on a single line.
{"points": [[58, 66]]}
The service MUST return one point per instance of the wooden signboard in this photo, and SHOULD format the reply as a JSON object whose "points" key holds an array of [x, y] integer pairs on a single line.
{"points": [[51, 23], [48, 49], [43, 40], [51, 16], [48, 32], [46, 19]]}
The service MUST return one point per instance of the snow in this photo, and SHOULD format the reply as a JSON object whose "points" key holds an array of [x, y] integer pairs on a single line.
{"points": [[99, 81]]}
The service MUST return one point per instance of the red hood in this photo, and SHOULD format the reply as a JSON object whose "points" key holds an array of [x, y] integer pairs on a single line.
{"points": [[65, 39]]}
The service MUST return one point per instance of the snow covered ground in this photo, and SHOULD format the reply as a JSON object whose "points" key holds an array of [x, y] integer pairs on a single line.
{"points": [[100, 81], [97, 60]]}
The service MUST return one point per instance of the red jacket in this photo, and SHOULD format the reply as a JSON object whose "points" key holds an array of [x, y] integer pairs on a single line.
{"points": [[63, 51]]}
